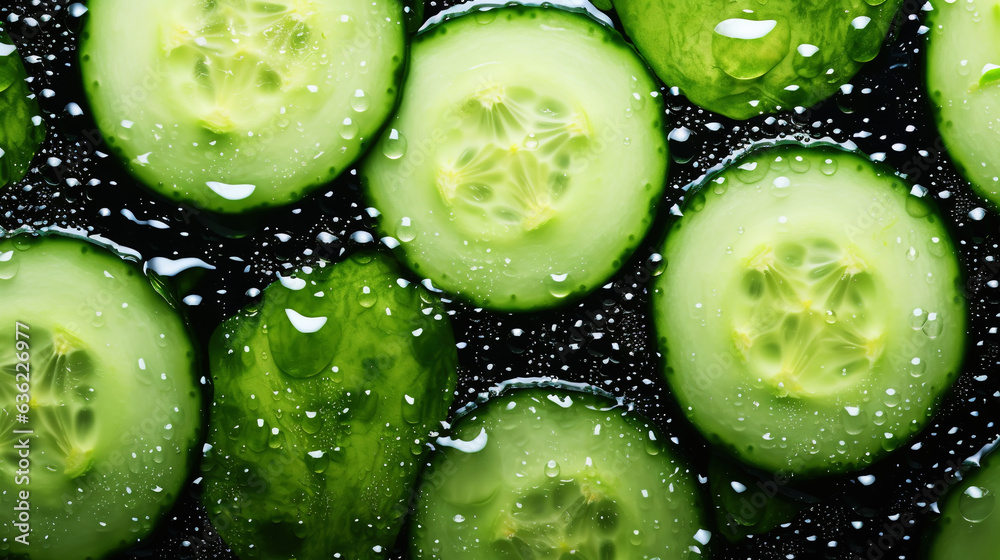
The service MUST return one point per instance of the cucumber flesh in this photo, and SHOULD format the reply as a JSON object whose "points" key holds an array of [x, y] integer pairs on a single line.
{"points": [[234, 105], [524, 162], [112, 399], [811, 310], [551, 473], [963, 77]]}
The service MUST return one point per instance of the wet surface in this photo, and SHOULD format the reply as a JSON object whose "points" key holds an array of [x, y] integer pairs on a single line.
{"points": [[606, 338]]}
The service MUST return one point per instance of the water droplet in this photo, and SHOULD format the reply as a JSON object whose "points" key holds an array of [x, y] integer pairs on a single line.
{"points": [[830, 316], [485, 16], [411, 412], [976, 504], [854, 420], [8, 265], [312, 422], [405, 231], [557, 285], [829, 166], [747, 49], [530, 142], [359, 101], [917, 367], [916, 207], [780, 187], [394, 145], [367, 298], [750, 172], [552, 469], [656, 264], [912, 254], [864, 39], [936, 247], [807, 61], [317, 461], [348, 129], [934, 326]]}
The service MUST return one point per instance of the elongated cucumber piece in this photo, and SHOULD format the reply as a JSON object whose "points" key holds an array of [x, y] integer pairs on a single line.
{"points": [[21, 126], [743, 58], [550, 473], [963, 78], [325, 395], [969, 526], [811, 312], [236, 105], [525, 160], [99, 404]]}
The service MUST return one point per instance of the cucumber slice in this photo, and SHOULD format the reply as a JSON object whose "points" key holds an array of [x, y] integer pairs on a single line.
{"points": [[963, 77], [525, 160], [743, 58], [109, 392], [551, 473], [236, 105], [324, 396], [969, 526], [811, 312], [21, 127]]}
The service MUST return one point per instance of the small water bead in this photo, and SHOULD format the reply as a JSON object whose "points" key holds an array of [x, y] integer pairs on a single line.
{"points": [[348, 129], [933, 327], [780, 187], [312, 422], [485, 16], [977, 214], [317, 461], [405, 231], [830, 316], [854, 420], [719, 185], [917, 367], [8, 265], [360, 102], [552, 469], [656, 264], [558, 285], [800, 164], [976, 504], [394, 145], [367, 298], [912, 254], [936, 247], [829, 166], [411, 412], [750, 172]]}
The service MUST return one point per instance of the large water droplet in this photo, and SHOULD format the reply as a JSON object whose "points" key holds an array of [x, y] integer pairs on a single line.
{"points": [[394, 145], [976, 503], [746, 49]]}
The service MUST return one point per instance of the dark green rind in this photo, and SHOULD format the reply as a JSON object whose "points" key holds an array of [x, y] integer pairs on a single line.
{"points": [[265, 495], [969, 526], [677, 37], [486, 287], [810, 418], [19, 136], [145, 416], [549, 472]]}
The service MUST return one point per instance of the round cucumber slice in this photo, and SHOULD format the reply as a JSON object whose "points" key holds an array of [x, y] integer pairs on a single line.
{"points": [[744, 58], [525, 160], [552, 473], [963, 77], [101, 368], [233, 105], [969, 526], [325, 395], [21, 127], [811, 311]]}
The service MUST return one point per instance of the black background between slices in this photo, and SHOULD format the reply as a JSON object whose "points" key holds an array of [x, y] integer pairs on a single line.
{"points": [[605, 339]]}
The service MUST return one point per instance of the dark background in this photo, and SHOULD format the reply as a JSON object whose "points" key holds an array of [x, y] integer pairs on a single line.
{"points": [[840, 517]]}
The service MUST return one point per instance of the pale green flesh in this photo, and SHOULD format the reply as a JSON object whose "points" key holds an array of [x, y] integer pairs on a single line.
{"points": [[963, 55], [555, 474], [969, 526], [114, 406], [810, 310], [523, 164], [233, 106], [743, 58]]}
